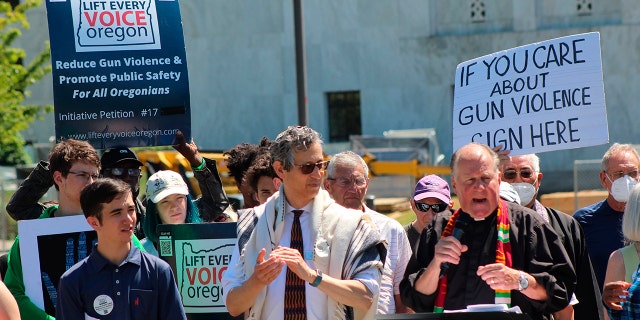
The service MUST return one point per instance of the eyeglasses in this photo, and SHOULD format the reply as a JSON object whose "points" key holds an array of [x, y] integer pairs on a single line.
{"points": [[131, 172], [617, 175], [347, 182], [512, 174], [438, 207], [308, 168], [85, 175]]}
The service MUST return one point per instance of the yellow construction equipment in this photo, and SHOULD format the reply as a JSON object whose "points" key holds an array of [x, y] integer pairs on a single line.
{"points": [[172, 160], [412, 168]]}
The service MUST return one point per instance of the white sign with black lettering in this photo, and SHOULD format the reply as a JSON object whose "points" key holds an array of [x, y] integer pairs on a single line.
{"points": [[539, 97]]}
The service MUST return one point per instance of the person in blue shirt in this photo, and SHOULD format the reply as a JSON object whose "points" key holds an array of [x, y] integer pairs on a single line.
{"points": [[602, 221], [117, 280], [631, 307]]}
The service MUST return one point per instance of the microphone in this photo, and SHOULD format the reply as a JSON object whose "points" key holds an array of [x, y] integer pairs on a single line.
{"points": [[458, 231]]}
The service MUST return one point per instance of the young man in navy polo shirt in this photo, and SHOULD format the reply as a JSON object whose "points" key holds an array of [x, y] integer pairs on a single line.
{"points": [[117, 280]]}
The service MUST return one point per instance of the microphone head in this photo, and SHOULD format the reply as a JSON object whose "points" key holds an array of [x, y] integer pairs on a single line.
{"points": [[458, 230], [461, 222], [460, 227]]}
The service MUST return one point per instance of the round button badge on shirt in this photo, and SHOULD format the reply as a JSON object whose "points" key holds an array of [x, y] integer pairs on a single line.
{"points": [[103, 304]]}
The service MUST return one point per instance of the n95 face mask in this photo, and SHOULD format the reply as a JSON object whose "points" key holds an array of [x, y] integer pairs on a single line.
{"points": [[621, 188], [525, 191]]}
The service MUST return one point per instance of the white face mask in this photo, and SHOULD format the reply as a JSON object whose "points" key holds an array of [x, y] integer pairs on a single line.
{"points": [[525, 191], [621, 188]]}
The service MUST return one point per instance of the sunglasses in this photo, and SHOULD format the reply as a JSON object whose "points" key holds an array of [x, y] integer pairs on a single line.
{"points": [[437, 208], [122, 171], [512, 174], [308, 168]]}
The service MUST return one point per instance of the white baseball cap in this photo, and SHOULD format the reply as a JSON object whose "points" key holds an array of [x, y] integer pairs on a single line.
{"points": [[164, 183]]}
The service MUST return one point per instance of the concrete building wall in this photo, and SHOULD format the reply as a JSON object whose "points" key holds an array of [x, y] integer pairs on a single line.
{"points": [[400, 55]]}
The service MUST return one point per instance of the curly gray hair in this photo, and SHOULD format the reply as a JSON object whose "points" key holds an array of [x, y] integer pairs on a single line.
{"points": [[295, 138]]}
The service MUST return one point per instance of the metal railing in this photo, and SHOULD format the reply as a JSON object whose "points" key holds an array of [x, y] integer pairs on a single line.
{"points": [[586, 176]]}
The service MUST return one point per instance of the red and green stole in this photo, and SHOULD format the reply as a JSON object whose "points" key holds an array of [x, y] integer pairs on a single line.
{"points": [[503, 255]]}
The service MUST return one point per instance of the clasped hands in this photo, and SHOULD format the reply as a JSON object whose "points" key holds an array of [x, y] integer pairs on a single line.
{"points": [[496, 275], [267, 270]]}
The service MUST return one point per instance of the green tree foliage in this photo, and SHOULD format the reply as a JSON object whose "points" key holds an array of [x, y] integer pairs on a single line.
{"points": [[15, 77]]}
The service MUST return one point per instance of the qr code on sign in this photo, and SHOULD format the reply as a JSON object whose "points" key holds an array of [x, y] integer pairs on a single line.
{"points": [[165, 248]]}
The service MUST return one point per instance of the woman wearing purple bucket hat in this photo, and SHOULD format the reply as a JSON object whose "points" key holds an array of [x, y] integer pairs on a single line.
{"points": [[431, 197]]}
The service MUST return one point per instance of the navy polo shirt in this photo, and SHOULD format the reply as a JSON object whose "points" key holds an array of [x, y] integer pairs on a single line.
{"points": [[142, 287], [603, 233]]}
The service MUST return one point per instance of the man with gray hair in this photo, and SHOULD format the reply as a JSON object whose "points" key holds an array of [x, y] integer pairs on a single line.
{"points": [[506, 254], [602, 221], [524, 175], [301, 255], [347, 182]]}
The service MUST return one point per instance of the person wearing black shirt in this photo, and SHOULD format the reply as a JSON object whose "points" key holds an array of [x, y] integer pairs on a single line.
{"points": [[526, 266]]}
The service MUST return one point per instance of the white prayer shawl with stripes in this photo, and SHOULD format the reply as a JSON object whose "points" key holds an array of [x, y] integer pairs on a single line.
{"points": [[346, 243]]}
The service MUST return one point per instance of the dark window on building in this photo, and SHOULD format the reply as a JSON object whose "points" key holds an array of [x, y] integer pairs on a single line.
{"points": [[344, 115]]}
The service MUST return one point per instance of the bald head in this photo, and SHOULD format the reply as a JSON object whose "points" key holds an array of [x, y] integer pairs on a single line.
{"points": [[473, 149]]}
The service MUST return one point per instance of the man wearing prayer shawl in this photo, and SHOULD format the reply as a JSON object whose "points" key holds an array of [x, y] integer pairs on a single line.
{"points": [[338, 261]]}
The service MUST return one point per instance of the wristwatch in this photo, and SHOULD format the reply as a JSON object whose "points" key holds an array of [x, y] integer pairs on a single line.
{"points": [[523, 282], [318, 278]]}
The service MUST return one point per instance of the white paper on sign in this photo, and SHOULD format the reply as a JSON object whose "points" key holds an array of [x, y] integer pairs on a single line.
{"points": [[500, 307], [29, 231], [539, 97]]}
